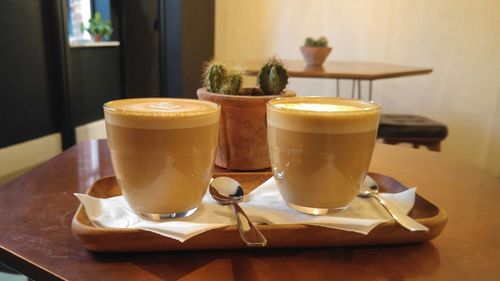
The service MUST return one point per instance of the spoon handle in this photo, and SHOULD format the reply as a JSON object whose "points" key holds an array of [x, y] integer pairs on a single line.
{"points": [[403, 219], [248, 232]]}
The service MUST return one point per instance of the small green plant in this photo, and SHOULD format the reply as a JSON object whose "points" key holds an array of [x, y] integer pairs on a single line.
{"points": [[233, 83], [273, 77], [97, 27], [217, 79], [320, 42], [214, 77]]}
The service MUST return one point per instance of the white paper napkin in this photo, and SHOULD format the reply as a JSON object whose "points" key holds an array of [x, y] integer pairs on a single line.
{"points": [[263, 205]]}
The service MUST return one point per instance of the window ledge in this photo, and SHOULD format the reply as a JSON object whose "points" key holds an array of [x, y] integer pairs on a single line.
{"points": [[91, 44]]}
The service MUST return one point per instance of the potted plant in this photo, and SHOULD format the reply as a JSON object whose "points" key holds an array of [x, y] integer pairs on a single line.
{"points": [[243, 129], [315, 52], [98, 28]]}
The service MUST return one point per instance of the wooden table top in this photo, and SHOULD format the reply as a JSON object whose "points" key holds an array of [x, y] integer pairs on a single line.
{"points": [[36, 211], [342, 70]]}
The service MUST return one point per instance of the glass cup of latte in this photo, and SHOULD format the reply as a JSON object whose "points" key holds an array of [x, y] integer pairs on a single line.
{"points": [[162, 151], [320, 149]]}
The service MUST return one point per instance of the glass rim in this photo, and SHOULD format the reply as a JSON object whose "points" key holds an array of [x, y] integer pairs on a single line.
{"points": [[372, 106], [108, 107]]}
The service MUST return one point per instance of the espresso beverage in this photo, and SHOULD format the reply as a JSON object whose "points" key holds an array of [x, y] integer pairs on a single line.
{"points": [[162, 152], [320, 149]]}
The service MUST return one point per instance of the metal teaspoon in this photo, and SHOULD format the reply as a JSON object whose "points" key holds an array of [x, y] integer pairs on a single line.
{"points": [[228, 191], [370, 189]]}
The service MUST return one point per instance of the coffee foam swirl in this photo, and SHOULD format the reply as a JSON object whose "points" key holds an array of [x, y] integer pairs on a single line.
{"points": [[163, 107], [161, 113], [323, 115]]}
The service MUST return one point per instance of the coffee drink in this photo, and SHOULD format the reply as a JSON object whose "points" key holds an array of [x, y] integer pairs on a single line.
{"points": [[320, 149], [162, 152]]}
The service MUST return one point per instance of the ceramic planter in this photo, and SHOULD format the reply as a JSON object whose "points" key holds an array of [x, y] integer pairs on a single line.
{"points": [[243, 130], [315, 56], [97, 38]]}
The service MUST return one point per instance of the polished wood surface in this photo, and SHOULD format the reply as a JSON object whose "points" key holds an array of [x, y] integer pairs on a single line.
{"points": [[342, 70], [36, 211]]}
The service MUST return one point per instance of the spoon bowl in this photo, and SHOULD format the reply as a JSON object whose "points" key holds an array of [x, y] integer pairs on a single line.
{"points": [[227, 191]]}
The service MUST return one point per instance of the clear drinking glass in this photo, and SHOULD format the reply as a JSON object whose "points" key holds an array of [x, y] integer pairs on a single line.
{"points": [[320, 149], [162, 152]]}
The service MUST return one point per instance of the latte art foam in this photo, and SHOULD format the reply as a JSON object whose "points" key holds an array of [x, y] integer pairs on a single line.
{"points": [[166, 107], [322, 115], [160, 113], [159, 105]]}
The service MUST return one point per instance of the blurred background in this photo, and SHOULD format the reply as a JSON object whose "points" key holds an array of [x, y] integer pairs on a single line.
{"points": [[54, 78], [459, 40]]}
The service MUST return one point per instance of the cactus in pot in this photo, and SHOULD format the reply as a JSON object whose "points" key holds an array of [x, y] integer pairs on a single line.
{"points": [[242, 141], [232, 84], [315, 51], [214, 77], [273, 77], [217, 79], [321, 42]]}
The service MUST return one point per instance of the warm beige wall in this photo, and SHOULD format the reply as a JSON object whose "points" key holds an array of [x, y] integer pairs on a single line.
{"points": [[460, 40]]}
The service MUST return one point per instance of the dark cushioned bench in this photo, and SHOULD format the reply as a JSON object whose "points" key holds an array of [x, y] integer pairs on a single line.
{"points": [[414, 129]]}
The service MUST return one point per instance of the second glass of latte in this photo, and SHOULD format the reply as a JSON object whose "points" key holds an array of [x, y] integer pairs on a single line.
{"points": [[320, 149]]}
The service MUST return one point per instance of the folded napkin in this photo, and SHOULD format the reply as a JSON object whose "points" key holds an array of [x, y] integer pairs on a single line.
{"points": [[263, 205]]}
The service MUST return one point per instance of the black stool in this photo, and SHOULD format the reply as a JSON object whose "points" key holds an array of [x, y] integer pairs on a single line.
{"points": [[414, 129]]}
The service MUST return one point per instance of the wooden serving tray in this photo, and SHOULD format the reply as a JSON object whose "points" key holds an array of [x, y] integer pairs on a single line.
{"points": [[101, 239]]}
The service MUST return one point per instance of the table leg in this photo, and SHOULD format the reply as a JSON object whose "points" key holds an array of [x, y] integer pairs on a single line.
{"points": [[338, 88], [359, 89], [370, 91], [353, 89]]}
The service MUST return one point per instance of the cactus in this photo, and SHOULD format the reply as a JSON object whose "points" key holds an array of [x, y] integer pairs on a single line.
{"points": [[232, 84], [322, 42], [273, 77], [309, 42], [214, 77]]}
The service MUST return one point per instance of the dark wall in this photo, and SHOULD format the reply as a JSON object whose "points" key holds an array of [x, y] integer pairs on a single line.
{"points": [[27, 98], [187, 32], [94, 80], [164, 45], [95, 74], [198, 24], [140, 47]]}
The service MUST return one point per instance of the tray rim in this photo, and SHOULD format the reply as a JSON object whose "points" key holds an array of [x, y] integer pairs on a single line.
{"points": [[80, 230]]}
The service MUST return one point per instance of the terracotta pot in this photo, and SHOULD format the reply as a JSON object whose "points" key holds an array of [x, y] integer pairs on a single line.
{"points": [[243, 130], [97, 38], [315, 56]]}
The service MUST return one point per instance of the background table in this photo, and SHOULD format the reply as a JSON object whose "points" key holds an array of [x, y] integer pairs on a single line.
{"points": [[36, 211], [355, 71]]}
